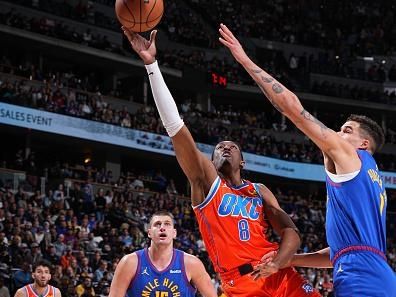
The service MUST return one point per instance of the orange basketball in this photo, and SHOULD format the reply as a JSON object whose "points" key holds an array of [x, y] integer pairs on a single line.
{"points": [[139, 15]]}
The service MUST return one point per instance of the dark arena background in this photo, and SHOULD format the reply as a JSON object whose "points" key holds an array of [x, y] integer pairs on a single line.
{"points": [[85, 159]]}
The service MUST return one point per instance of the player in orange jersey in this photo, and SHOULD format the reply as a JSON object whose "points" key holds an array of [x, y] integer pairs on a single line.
{"points": [[232, 213], [40, 288]]}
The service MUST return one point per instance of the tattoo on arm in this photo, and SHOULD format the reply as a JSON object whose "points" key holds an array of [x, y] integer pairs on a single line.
{"points": [[277, 88], [267, 79], [306, 115]]}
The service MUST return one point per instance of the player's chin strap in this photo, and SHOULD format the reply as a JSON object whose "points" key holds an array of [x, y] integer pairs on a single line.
{"points": [[164, 101]]}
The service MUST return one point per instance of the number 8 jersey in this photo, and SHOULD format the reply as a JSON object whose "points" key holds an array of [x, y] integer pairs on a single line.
{"points": [[232, 225]]}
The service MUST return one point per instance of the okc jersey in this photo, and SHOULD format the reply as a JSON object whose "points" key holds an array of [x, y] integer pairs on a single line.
{"points": [[170, 282], [30, 292], [232, 225]]}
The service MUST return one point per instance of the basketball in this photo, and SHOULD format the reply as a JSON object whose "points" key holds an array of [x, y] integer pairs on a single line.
{"points": [[139, 15]]}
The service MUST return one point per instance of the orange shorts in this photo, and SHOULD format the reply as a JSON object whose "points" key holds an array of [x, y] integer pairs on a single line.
{"points": [[285, 283]]}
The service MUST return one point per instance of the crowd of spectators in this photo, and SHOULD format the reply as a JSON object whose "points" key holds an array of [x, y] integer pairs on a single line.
{"points": [[85, 229], [174, 22], [185, 25], [58, 29], [359, 27], [353, 92], [82, 11], [362, 28], [358, 30], [254, 129], [85, 80]]}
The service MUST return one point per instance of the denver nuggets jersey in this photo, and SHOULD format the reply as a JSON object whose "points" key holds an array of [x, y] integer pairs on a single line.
{"points": [[30, 292], [232, 225], [356, 209], [170, 282]]}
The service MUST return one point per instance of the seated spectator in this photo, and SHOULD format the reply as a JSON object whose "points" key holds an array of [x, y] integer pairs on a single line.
{"points": [[59, 197], [99, 273], [138, 184], [60, 245], [161, 180], [85, 269], [85, 289], [22, 277], [51, 255], [126, 237], [4, 292], [92, 244], [37, 256], [67, 258]]}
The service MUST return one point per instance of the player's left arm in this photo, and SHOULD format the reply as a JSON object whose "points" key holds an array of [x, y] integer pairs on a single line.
{"points": [[283, 226], [199, 277]]}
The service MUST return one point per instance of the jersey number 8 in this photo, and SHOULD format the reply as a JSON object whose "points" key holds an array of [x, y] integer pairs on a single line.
{"points": [[243, 227]]}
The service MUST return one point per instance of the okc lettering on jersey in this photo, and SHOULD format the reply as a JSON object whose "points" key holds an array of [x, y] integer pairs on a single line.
{"points": [[153, 287], [236, 205]]}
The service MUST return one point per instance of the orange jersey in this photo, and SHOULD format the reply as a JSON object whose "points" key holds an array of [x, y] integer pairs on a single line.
{"points": [[30, 292], [232, 224]]}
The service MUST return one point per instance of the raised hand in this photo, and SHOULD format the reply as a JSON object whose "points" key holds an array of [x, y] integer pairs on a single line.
{"points": [[230, 41], [146, 49]]}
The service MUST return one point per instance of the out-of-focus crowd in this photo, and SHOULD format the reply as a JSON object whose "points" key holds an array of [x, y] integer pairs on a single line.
{"points": [[76, 95]]}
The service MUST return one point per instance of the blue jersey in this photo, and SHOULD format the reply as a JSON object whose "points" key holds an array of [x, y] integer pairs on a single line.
{"points": [[356, 233], [356, 209], [170, 282]]}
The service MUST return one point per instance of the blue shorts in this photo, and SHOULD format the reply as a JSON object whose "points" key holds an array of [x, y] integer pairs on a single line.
{"points": [[359, 274]]}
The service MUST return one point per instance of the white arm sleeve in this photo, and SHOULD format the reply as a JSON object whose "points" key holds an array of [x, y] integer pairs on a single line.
{"points": [[164, 101]]}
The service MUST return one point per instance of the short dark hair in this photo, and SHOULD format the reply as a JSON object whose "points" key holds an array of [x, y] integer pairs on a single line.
{"points": [[372, 129], [235, 142], [163, 213], [43, 263]]}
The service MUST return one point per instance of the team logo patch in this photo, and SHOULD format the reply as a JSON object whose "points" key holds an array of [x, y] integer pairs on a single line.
{"points": [[307, 288], [145, 271], [340, 268]]}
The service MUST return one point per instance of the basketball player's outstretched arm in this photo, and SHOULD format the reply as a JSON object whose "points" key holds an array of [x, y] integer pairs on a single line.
{"points": [[285, 228], [123, 275], [199, 277], [342, 153], [198, 168], [318, 259]]}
